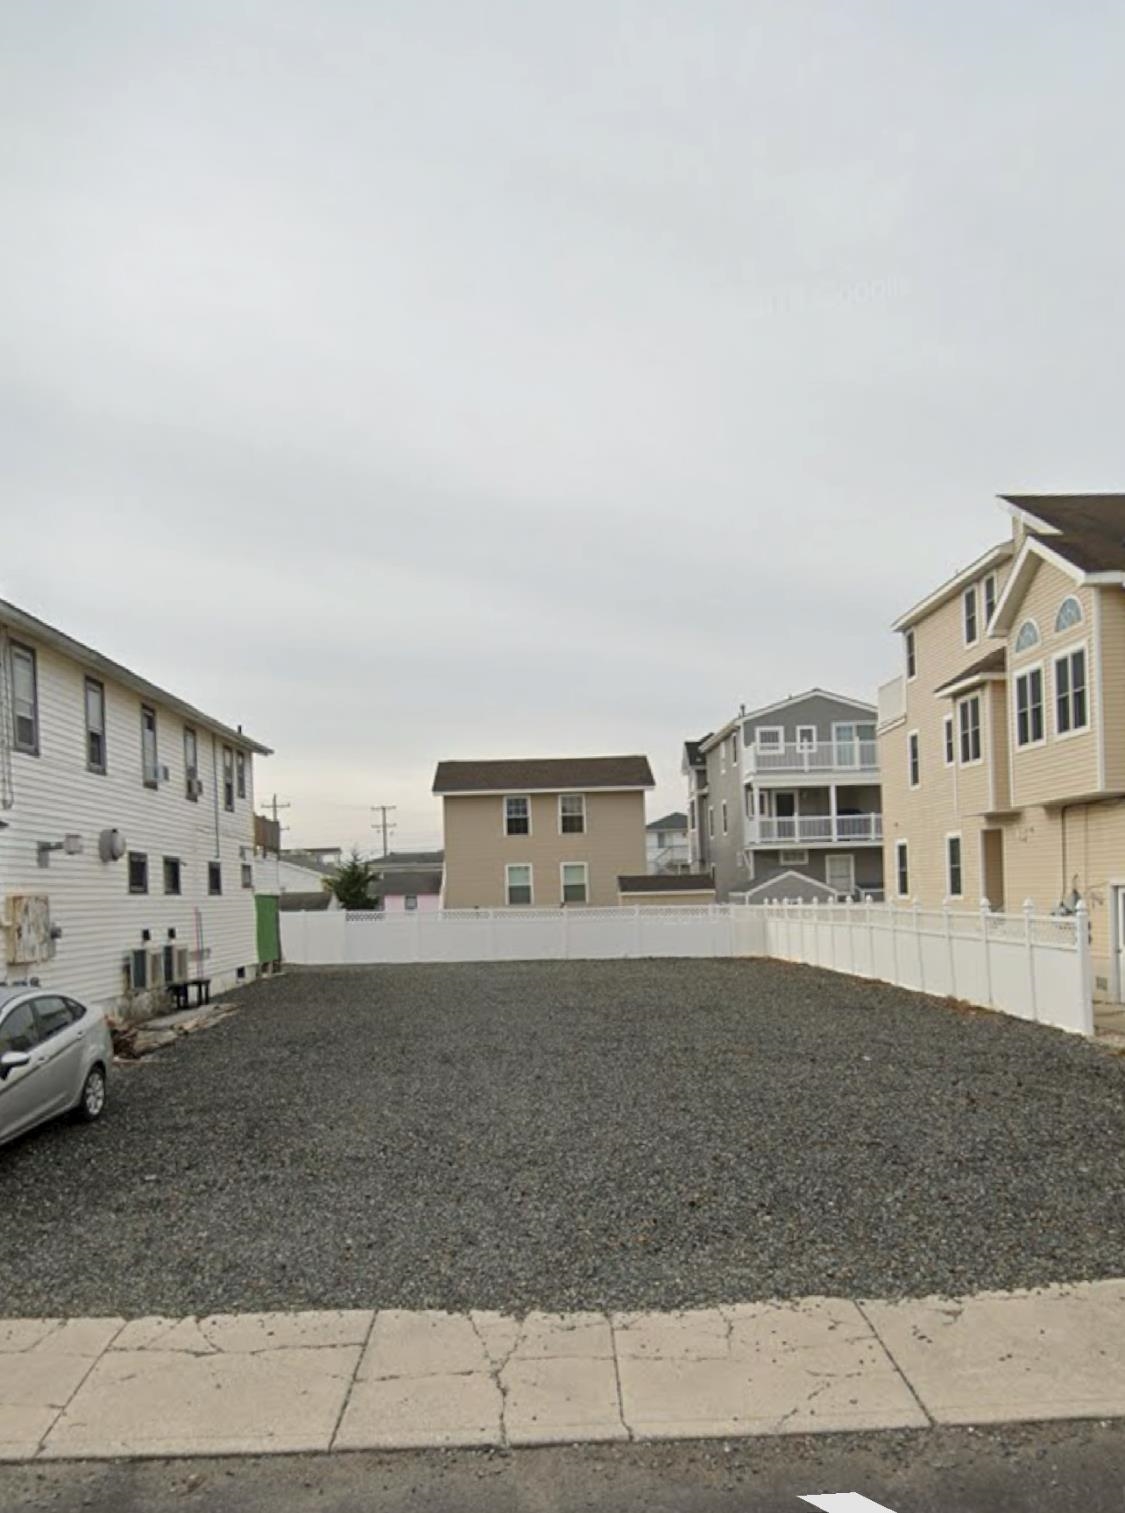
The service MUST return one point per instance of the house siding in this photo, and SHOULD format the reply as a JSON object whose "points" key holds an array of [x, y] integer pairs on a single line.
{"points": [[477, 851], [100, 920]]}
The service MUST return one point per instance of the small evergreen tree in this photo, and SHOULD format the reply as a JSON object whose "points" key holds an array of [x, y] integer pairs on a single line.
{"points": [[353, 883]]}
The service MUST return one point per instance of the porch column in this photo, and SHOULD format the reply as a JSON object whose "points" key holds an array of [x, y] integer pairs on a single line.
{"points": [[832, 807]]}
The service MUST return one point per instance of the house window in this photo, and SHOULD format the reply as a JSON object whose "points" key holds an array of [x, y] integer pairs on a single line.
{"points": [[25, 700], [240, 768], [902, 870], [953, 865], [1027, 636], [969, 604], [575, 882], [947, 740], [839, 872], [148, 746], [214, 878], [1070, 613], [793, 858], [724, 817], [518, 884], [911, 655], [138, 872], [806, 737], [572, 814], [517, 816], [914, 760], [768, 737], [711, 821], [968, 715], [228, 779], [1029, 707], [1070, 692], [95, 725], [989, 599], [172, 881], [247, 875], [410, 902], [191, 764], [734, 750], [691, 813]]}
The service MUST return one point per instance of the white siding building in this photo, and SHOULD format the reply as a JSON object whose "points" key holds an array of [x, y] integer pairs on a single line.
{"points": [[126, 827]]}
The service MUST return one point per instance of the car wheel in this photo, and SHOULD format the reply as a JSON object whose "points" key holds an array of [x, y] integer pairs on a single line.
{"points": [[92, 1101]]}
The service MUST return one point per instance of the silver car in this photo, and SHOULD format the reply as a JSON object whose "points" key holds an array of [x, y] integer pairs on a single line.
{"points": [[55, 1056]]}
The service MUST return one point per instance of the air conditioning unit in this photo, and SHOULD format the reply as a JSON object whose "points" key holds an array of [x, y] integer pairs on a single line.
{"points": [[194, 788]]}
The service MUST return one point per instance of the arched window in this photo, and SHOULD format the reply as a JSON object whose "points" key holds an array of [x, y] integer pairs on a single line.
{"points": [[1070, 613], [1028, 636]]}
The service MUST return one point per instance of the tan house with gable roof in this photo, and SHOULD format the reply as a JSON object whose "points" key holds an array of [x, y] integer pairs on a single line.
{"points": [[1002, 744], [540, 832]]}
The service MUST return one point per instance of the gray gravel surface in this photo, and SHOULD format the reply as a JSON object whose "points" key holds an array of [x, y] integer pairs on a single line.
{"points": [[579, 1134]]}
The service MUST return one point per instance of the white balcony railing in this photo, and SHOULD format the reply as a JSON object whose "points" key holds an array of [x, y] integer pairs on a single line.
{"points": [[823, 756], [815, 830]]}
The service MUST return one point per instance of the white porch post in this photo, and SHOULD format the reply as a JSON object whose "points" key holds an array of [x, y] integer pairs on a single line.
{"points": [[832, 809]]}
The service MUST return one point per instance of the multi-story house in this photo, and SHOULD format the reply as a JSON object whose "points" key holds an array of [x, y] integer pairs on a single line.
{"points": [[784, 801], [541, 831], [666, 841], [1003, 739], [126, 827]]}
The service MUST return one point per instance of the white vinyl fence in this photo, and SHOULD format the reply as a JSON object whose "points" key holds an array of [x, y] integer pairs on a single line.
{"points": [[351, 938], [1033, 966]]}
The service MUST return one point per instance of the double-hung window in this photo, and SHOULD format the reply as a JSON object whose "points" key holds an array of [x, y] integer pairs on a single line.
{"points": [[1070, 692], [725, 825], [172, 875], [214, 878], [911, 655], [572, 814], [953, 866], [914, 759], [517, 816], [240, 768], [989, 598], [25, 700], [968, 720], [948, 744], [138, 872], [969, 603], [228, 779], [95, 725], [517, 883], [191, 764], [149, 770], [575, 882], [1029, 707], [902, 869], [806, 737]]}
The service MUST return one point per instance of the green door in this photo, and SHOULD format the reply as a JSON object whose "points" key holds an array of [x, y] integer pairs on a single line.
{"points": [[269, 928]]}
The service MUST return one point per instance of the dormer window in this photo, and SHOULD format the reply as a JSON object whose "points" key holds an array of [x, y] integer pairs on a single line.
{"points": [[1070, 613], [1028, 636]]}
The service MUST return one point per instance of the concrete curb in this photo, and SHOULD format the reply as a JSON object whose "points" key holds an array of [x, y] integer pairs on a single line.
{"points": [[253, 1384]]}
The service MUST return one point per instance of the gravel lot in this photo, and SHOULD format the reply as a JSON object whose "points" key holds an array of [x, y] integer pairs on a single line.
{"points": [[560, 1135]]}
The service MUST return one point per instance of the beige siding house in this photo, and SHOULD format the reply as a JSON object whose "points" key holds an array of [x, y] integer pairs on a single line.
{"points": [[540, 832], [1002, 743]]}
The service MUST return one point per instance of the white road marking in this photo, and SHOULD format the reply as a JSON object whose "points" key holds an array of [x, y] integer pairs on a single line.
{"points": [[845, 1502]]}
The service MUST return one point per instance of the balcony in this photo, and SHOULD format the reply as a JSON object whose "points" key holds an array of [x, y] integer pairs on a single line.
{"points": [[816, 830], [820, 759]]}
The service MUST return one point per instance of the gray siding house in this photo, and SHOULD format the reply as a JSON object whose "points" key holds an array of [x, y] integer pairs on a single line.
{"points": [[785, 801]]}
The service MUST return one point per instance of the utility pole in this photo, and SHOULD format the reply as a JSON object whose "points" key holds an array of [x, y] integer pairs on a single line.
{"points": [[383, 810], [277, 806]]}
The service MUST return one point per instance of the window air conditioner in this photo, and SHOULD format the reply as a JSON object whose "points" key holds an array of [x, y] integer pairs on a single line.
{"points": [[194, 788]]}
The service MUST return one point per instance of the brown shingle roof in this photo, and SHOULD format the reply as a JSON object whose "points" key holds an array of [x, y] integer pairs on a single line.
{"points": [[1091, 527], [995, 661], [543, 774], [666, 882]]}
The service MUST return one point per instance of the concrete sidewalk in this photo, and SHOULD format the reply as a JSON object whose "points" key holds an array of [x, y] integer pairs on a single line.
{"points": [[259, 1383]]}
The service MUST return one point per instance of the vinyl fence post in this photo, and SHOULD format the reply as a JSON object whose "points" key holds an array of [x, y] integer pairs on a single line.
{"points": [[565, 933], [917, 924], [870, 941], [1085, 968], [984, 911], [416, 934], [636, 929], [1028, 911], [894, 945], [950, 952]]}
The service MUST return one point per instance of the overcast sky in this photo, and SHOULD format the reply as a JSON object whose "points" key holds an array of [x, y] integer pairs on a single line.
{"points": [[432, 379]]}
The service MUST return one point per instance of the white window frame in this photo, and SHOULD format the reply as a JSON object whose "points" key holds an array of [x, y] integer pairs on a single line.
{"points": [[504, 802], [511, 867], [777, 731], [1061, 630], [18, 650], [949, 740], [988, 591], [1024, 675], [970, 598], [902, 855], [834, 858], [963, 732], [910, 646], [954, 835], [90, 684], [585, 899], [913, 759], [150, 772], [806, 738], [792, 856], [1064, 656], [581, 797], [191, 769]]}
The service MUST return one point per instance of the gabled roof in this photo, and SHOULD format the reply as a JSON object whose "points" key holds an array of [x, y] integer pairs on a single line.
{"points": [[693, 750], [1085, 560], [791, 700], [22, 623], [992, 667], [666, 882], [1092, 515], [543, 775], [953, 586], [674, 821], [801, 884]]}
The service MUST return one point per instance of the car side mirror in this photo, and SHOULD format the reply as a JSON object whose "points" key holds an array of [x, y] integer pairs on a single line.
{"points": [[10, 1060]]}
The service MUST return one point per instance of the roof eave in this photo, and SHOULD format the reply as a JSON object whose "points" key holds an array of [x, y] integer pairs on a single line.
{"points": [[952, 586]]}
